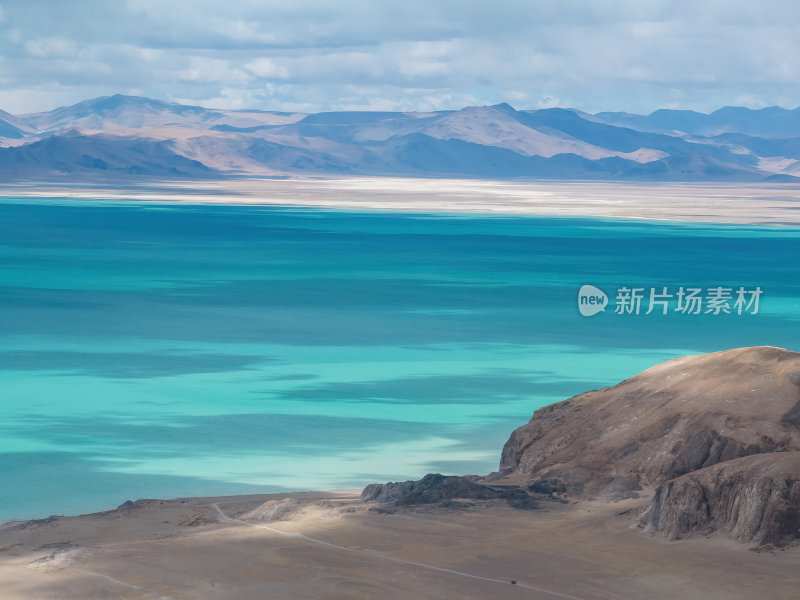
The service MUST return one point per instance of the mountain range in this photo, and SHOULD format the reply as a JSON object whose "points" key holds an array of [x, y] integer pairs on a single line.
{"points": [[127, 136]]}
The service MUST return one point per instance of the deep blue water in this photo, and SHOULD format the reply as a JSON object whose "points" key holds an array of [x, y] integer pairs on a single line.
{"points": [[164, 350]]}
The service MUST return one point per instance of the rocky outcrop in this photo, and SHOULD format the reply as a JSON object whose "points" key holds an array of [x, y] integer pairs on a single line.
{"points": [[274, 510], [755, 499], [435, 488], [675, 418]]}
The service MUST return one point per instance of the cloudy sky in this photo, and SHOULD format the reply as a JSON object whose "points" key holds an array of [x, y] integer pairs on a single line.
{"points": [[634, 55]]}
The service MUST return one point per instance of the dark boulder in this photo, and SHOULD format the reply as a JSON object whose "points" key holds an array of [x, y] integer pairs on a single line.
{"points": [[435, 488]]}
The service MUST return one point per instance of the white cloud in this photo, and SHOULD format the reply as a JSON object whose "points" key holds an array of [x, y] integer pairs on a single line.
{"points": [[151, 54], [265, 68], [227, 99], [634, 55], [425, 59], [548, 102], [52, 47], [202, 69]]}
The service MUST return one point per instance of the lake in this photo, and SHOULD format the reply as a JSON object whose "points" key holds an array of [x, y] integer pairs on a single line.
{"points": [[163, 350]]}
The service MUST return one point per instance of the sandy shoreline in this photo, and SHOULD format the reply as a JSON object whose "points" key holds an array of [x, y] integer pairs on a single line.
{"points": [[762, 204], [329, 545]]}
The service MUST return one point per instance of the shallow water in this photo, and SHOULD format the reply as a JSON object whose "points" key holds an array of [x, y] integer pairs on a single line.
{"points": [[164, 350]]}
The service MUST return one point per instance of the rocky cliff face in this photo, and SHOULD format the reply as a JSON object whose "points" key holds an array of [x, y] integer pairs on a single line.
{"points": [[675, 418], [755, 499]]}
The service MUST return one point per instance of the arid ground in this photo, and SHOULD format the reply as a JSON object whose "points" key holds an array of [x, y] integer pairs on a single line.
{"points": [[329, 546]]}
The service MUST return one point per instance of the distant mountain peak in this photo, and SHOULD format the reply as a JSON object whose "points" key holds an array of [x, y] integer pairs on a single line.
{"points": [[504, 107], [118, 100], [122, 101]]}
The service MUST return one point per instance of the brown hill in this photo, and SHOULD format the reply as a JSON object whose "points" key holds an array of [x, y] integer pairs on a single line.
{"points": [[677, 417], [715, 436]]}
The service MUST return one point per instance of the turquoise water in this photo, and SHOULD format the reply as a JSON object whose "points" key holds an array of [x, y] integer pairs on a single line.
{"points": [[155, 350]]}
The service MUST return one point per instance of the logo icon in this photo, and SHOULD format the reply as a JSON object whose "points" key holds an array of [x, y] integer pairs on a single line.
{"points": [[591, 300]]}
